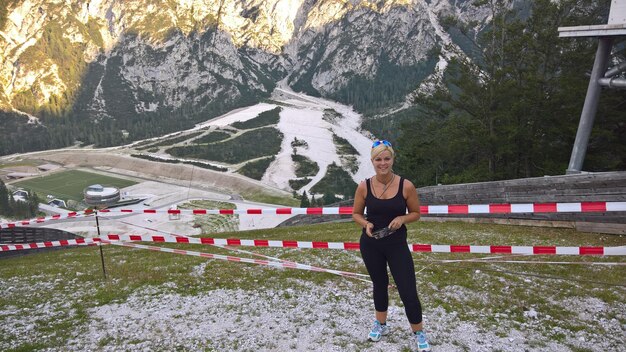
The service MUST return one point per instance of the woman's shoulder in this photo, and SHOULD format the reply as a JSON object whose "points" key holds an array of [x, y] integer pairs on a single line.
{"points": [[362, 185], [406, 181], [407, 184]]}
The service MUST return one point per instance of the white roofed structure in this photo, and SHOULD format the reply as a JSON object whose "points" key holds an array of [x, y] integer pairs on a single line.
{"points": [[98, 195]]}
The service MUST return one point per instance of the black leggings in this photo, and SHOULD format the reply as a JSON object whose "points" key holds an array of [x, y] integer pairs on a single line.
{"points": [[376, 256]]}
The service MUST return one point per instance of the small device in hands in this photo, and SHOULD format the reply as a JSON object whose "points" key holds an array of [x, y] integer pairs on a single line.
{"points": [[382, 233]]}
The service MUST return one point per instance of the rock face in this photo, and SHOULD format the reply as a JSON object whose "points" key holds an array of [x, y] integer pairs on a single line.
{"points": [[168, 54], [183, 60]]}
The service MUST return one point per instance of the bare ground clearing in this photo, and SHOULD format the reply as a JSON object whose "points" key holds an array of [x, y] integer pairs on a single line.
{"points": [[187, 175]]}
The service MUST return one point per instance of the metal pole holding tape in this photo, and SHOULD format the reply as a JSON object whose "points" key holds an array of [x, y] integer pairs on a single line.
{"points": [[104, 272]]}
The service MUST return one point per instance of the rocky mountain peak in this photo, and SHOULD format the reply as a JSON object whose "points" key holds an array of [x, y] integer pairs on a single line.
{"points": [[134, 60]]}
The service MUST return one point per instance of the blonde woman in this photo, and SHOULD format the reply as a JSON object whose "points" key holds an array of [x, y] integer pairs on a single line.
{"points": [[391, 202]]}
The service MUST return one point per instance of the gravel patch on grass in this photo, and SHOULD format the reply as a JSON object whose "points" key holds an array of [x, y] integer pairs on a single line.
{"points": [[293, 317]]}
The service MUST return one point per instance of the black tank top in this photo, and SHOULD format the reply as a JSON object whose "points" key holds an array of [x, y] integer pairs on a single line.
{"points": [[381, 212]]}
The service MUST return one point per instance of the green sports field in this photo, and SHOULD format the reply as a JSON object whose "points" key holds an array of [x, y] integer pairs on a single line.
{"points": [[69, 184]]}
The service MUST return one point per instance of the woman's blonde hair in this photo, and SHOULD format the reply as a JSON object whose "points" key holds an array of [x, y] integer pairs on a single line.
{"points": [[381, 148]]}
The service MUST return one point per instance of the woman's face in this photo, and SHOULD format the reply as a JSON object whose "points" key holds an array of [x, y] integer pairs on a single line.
{"points": [[383, 162]]}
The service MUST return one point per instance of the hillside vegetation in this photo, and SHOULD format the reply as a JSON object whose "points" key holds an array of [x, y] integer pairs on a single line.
{"points": [[513, 111], [264, 141], [153, 300], [506, 106]]}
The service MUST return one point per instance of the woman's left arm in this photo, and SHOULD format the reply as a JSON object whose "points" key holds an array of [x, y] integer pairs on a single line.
{"points": [[412, 204]]}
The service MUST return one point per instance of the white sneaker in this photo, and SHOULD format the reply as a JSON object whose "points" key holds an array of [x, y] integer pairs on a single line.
{"points": [[422, 341], [378, 330]]}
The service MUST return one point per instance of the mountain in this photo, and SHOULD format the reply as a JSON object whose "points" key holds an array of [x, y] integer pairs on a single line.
{"points": [[106, 72]]}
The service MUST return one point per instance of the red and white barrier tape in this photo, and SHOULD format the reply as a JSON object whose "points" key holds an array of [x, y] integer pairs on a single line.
{"points": [[257, 211], [41, 220], [528, 262], [104, 212], [363, 277], [507, 208], [579, 207], [274, 259], [423, 248], [272, 263]]}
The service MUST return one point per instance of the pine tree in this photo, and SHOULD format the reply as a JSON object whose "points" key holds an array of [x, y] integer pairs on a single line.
{"points": [[33, 203], [328, 198], [5, 208], [304, 201]]}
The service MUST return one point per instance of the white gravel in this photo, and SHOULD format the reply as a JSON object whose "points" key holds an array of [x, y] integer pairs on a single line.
{"points": [[294, 316]]}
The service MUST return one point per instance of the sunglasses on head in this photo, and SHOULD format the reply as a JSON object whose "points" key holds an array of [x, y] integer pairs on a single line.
{"points": [[379, 142]]}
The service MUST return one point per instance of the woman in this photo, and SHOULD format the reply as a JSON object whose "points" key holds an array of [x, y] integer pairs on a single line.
{"points": [[387, 197]]}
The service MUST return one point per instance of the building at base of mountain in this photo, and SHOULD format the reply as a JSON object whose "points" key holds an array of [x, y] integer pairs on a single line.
{"points": [[98, 195]]}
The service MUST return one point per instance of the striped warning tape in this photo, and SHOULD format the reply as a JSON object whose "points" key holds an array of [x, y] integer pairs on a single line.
{"points": [[41, 220], [272, 263], [579, 207], [251, 211], [268, 211], [528, 262], [274, 259], [423, 248], [507, 208]]}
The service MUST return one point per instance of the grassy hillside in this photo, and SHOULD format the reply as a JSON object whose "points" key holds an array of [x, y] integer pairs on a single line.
{"points": [[162, 301]]}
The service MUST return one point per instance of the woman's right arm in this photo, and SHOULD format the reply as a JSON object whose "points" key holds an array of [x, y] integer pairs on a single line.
{"points": [[358, 209]]}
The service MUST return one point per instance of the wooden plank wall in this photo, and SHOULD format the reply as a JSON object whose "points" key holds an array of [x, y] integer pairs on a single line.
{"points": [[18, 235], [585, 187]]}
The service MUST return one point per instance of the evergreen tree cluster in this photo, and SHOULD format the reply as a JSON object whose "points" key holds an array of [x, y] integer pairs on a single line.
{"points": [[304, 200], [212, 137], [390, 85], [256, 169], [513, 112], [299, 143], [336, 181], [265, 118], [15, 209], [325, 199], [175, 161], [296, 184], [343, 146], [19, 136], [252, 144], [304, 166]]}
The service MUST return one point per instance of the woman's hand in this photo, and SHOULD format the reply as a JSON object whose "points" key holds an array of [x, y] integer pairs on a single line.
{"points": [[396, 223], [369, 228]]}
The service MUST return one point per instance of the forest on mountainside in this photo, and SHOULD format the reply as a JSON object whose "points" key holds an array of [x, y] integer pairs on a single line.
{"points": [[388, 87], [513, 111], [17, 209], [69, 117], [509, 111]]}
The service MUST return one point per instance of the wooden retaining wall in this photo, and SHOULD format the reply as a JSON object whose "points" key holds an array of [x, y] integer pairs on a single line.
{"points": [[18, 235], [585, 187]]}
